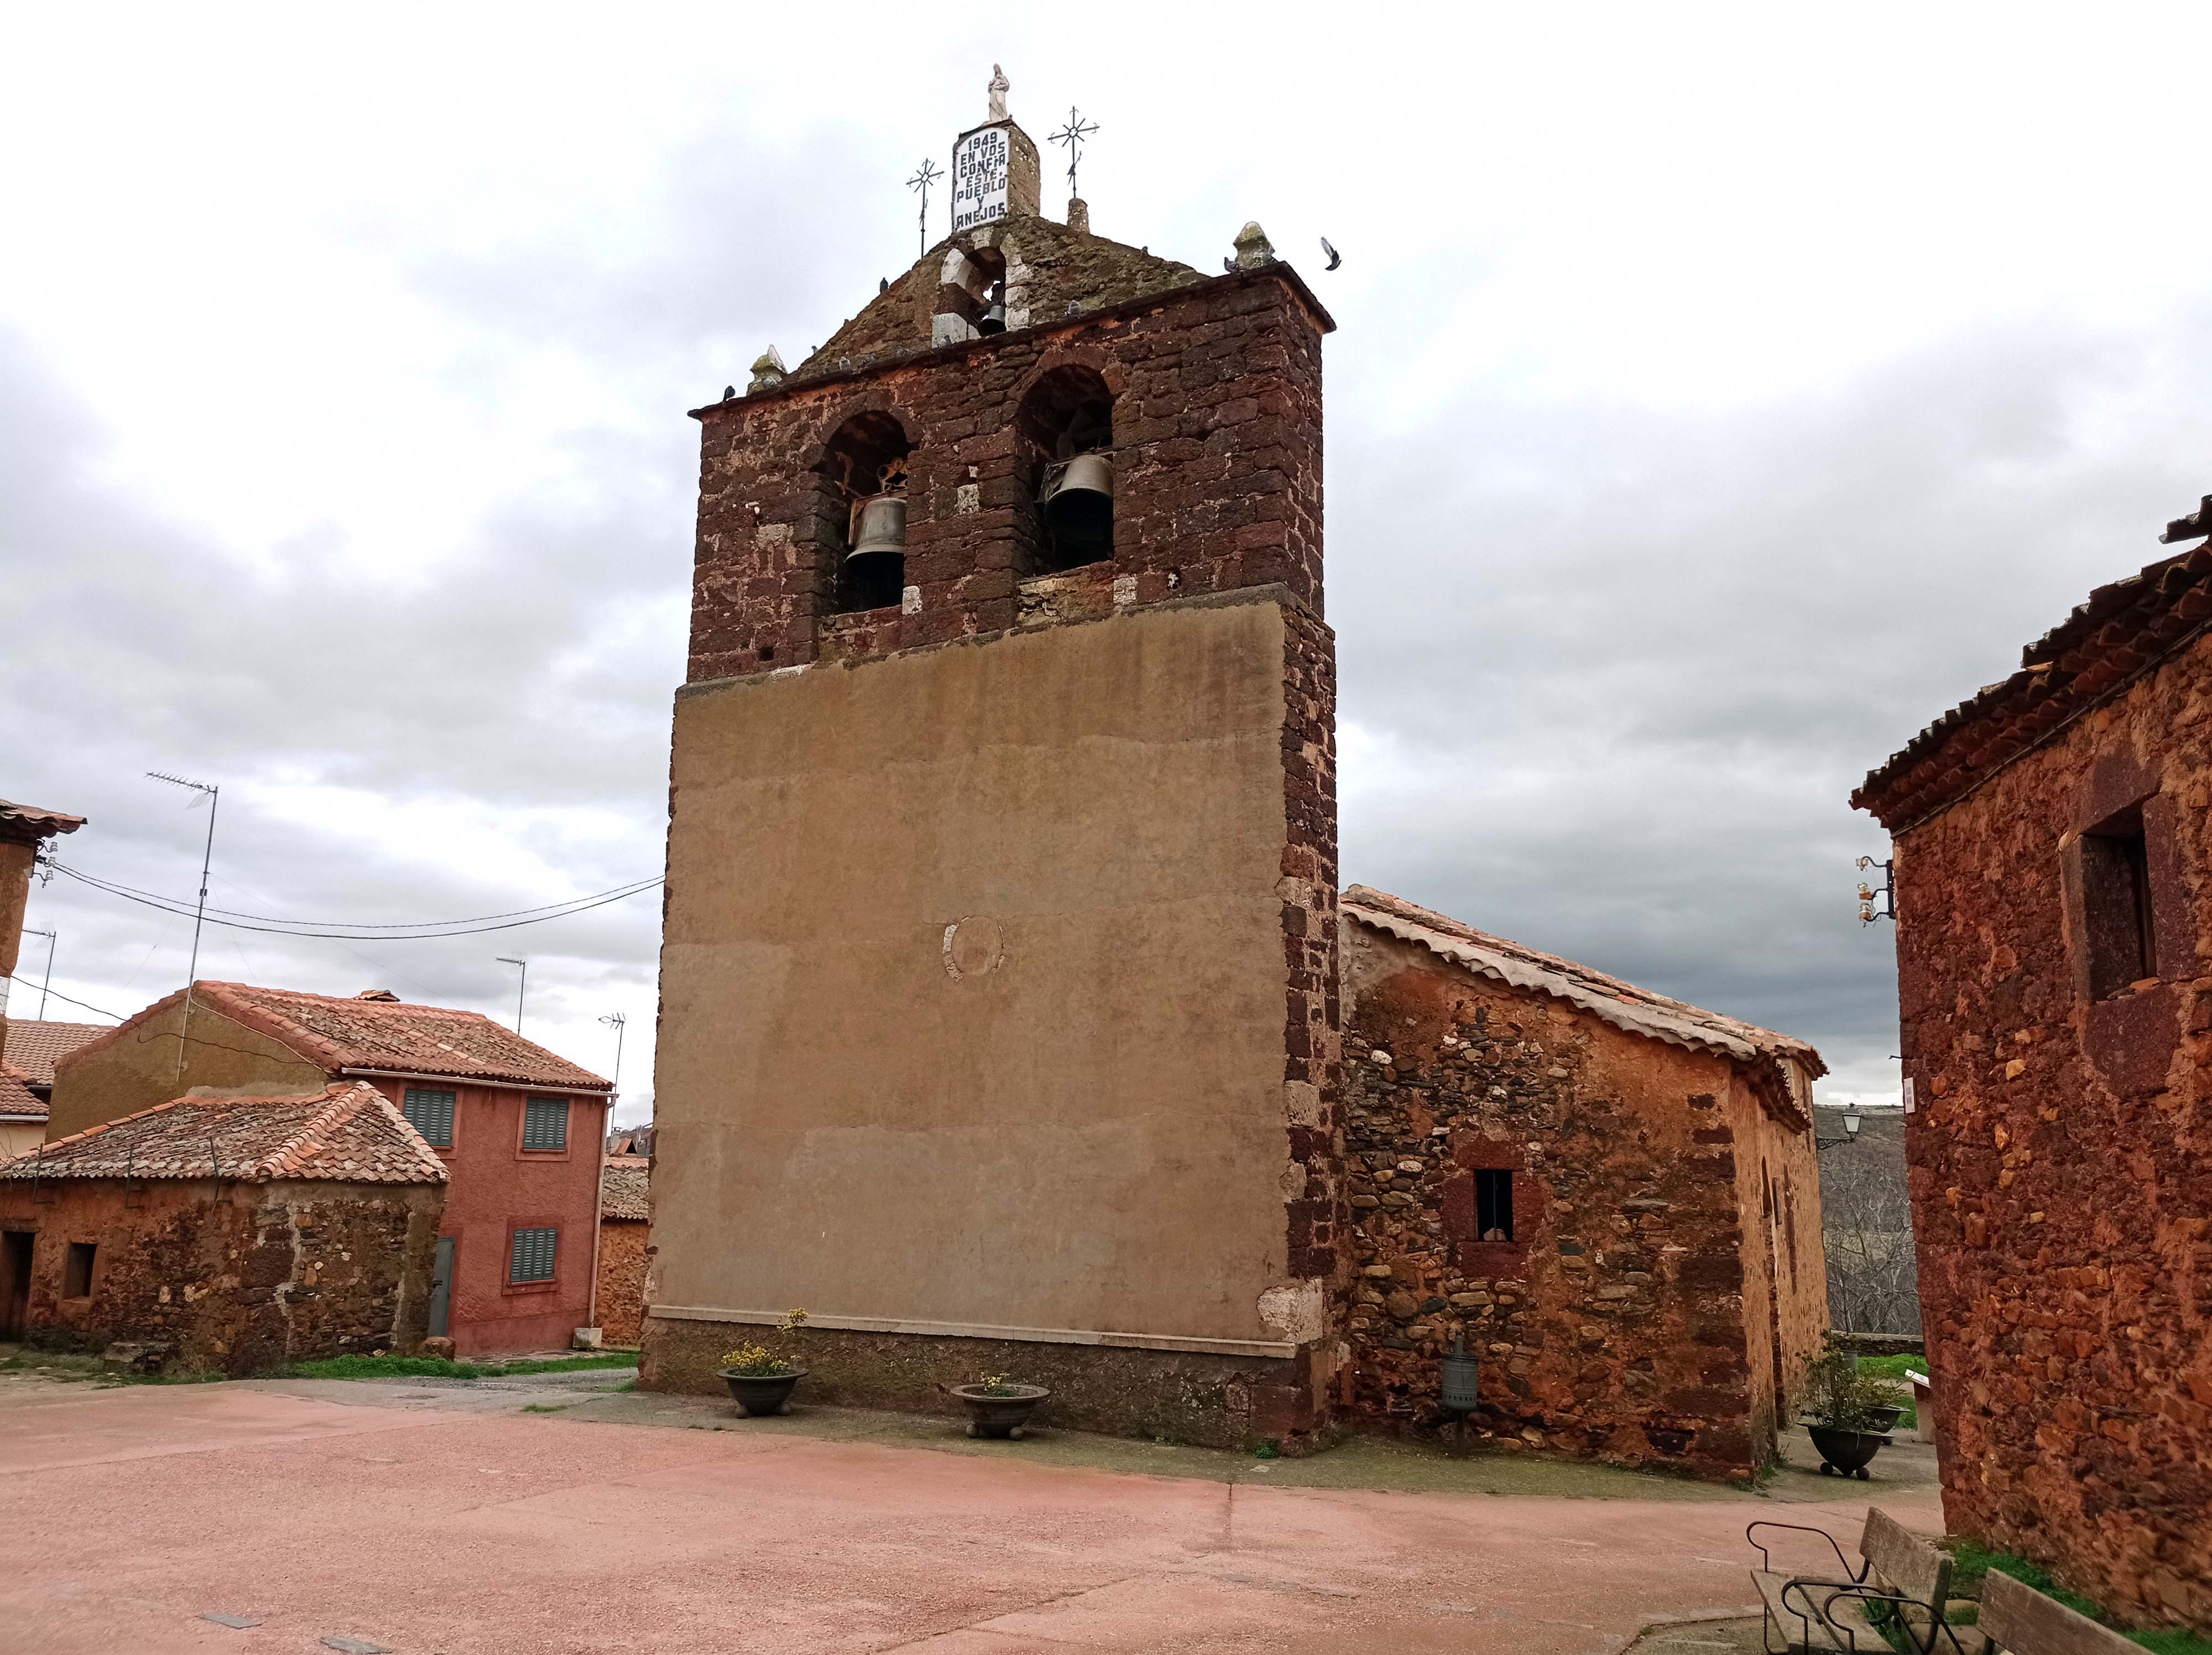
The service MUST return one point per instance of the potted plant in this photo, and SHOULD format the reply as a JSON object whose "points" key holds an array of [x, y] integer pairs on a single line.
{"points": [[761, 1377], [1848, 1416], [1000, 1407]]}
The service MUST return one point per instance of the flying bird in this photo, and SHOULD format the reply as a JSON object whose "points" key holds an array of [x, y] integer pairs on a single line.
{"points": [[1334, 257]]}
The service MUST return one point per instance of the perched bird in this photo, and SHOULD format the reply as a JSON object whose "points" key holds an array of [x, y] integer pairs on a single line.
{"points": [[729, 393], [1229, 265], [882, 284], [1334, 257]]}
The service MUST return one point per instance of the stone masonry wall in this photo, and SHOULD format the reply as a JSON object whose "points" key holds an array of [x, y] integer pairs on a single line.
{"points": [[1217, 418], [236, 1282], [622, 1280], [1614, 1324], [2061, 1158]]}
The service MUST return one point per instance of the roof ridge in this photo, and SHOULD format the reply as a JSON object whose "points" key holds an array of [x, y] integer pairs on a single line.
{"points": [[343, 1101]]}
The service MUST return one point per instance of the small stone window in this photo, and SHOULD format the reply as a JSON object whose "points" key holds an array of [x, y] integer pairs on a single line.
{"points": [[76, 1270], [2116, 904], [1493, 1204], [862, 533], [532, 1256], [545, 1123]]}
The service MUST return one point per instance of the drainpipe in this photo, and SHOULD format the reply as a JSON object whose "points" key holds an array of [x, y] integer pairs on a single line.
{"points": [[598, 1196]]}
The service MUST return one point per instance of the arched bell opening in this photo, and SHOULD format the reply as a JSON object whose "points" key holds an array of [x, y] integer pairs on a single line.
{"points": [[1064, 464], [973, 287], [863, 518]]}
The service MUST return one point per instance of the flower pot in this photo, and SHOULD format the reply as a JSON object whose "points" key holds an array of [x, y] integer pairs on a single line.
{"points": [[1002, 1411], [759, 1395], [1845, 1453], [1885, 1419]]}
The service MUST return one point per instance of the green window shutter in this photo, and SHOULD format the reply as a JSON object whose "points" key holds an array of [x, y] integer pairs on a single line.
{"points": [[533, 1256], [431, 1114], [545, 1123]]}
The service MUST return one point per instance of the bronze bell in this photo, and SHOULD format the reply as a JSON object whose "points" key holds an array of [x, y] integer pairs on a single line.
{"points": [[1078, 500], [882, 529]]}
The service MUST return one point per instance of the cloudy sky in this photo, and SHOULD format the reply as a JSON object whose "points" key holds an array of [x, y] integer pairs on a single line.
{"points": [[1721, 393]]}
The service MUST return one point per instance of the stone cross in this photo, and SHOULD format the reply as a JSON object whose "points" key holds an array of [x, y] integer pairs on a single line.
{"points": [[997, 88]]}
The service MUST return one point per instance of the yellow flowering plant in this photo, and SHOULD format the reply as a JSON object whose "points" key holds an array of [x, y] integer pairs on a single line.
{"points": [[756, 1360]]}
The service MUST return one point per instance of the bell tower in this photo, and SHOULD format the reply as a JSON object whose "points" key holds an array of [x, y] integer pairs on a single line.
{"points": [[999, 1019]]}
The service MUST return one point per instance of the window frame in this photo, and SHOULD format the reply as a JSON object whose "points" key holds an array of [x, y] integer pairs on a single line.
{"points": [[453, 1097], [550, 1152], [515, 1230]]}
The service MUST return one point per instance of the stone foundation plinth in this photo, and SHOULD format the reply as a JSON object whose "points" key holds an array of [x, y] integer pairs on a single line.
{"points": [[1214, 1401]]}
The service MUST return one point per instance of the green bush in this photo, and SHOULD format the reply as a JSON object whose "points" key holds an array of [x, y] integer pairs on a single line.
{"points": [[1972, 1562]]}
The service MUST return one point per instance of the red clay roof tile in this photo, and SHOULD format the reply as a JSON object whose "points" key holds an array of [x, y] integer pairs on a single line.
{"points": [[32, 1047], [347, 1132]]}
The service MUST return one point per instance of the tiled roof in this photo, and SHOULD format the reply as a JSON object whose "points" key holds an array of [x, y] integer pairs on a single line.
{"points": [[2117, 635], [17, 1101], [28, 824], [387, 1036], [1623, 1005], [347, 1132], [32, 1047], [623, 1188]]}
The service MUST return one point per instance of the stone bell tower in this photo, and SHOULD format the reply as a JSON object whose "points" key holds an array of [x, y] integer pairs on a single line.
{"points": [[999, 1005]]}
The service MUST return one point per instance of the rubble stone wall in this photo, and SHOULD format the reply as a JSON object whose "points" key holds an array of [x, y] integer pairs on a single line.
{"points": [[1616, 1323], [236, 1280], [622, 1280], [2060, 1157]]}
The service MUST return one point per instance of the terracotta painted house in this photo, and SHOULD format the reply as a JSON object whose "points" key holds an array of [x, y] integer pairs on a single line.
{"points": [[517, 1127], [226, 1234], [1614, 1193], [2052, 860], [26, 1077], [624, 1224]]}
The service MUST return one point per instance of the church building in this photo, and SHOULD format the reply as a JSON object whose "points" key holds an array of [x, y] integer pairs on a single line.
{"points": [[1000, 985]]}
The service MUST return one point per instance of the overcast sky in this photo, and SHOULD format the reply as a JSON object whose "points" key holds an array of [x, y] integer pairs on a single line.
{"points": [[1720, 394]]}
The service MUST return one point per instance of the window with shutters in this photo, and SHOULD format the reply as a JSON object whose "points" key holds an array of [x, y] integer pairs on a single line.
{"points": [[531, 1259], [431, 1114], [545, 1123]]}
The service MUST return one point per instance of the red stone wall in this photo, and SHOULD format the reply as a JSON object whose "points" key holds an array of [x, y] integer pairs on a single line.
{"points": [[497, 1187], [622, 1280], [1623, 1321], [2061, 1156], [238, 1281], [1218, 476]]}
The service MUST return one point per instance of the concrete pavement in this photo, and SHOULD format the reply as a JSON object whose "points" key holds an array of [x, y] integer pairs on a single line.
{"points": [[429, 1518]]}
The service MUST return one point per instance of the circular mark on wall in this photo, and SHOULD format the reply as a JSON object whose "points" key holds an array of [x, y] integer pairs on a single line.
{"points": [[973, 946]]}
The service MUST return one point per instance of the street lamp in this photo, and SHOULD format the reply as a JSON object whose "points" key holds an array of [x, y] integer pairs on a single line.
{"points": [[1851, 1122]]}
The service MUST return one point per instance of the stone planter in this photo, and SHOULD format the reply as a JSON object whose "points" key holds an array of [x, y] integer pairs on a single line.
{"points": [[1845, 1453], [1000, 1411], [759, 1395]]}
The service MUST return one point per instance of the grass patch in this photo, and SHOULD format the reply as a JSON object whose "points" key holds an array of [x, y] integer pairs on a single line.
{"points": [[438, 1367], [1892, 1367], [547, 1408], [1972, 1562]]}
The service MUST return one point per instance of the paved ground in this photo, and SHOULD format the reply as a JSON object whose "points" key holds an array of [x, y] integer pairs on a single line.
{"points": [[555, 1514]]}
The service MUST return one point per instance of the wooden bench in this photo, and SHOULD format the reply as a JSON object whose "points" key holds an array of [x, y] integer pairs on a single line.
{"points": [[2019, 1619], [1899, 1576]]}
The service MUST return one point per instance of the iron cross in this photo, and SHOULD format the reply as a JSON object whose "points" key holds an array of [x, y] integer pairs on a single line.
{"points": [[921, 180], [1073, 135]]}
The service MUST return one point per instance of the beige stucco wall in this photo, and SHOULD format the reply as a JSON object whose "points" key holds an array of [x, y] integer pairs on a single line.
{"points": [[973, 984], [137, 1069], [20, 1140]]}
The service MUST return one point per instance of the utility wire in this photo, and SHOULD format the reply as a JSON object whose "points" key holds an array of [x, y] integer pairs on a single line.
{"points": [[59, 995], [168, 905], [120, 888]]}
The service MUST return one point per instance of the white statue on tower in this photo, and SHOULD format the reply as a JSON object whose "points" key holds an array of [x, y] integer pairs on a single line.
{"points": [[998, 91]]}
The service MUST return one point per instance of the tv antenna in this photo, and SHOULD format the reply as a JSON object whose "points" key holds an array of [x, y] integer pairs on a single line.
{"points": [[214, 796]]}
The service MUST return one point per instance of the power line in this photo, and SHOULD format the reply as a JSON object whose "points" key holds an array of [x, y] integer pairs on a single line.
{"points": [[79, 1004], [169, 905], [120, 888]]}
